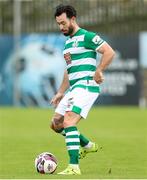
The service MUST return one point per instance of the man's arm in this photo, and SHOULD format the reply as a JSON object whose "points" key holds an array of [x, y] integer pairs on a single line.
{"points": [[64, 86], [107, 57], [65, 83]]}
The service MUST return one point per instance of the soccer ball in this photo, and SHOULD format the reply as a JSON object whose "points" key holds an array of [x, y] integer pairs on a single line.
{"points": [[46, 163]]}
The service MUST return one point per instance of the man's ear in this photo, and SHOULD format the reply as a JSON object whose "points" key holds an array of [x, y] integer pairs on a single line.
{"points": [[73, 18]]}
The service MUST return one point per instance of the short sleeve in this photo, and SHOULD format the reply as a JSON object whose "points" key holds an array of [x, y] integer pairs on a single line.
{"points": [[93, 41]]}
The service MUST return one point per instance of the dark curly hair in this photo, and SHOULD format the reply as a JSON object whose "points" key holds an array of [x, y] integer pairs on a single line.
{"points": [[68, 9]]}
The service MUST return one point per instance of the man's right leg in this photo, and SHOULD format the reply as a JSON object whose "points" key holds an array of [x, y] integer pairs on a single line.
{"points": [[57, 126], [58, 118], [86, 145]]}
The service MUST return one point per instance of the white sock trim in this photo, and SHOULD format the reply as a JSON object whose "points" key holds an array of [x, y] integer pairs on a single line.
{"points": [[74, 166], [89, 145]]}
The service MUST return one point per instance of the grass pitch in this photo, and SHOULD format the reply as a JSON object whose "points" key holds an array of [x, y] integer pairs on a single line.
{"points": [[121, 131]]}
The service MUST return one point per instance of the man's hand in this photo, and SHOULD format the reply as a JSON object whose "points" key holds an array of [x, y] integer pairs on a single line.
{"points": [[98, 76], [107, 57], [56, 99]]}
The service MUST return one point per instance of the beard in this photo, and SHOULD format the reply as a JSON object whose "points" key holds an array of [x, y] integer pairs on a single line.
{"points": [[70, 31]]}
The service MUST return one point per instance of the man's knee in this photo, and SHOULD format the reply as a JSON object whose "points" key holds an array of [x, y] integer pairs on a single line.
{"points": [[57, 123], [52, 126], [71, 119]]}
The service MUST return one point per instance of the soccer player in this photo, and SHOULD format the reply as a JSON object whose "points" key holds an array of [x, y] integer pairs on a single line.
{"points": [[81, 79]]}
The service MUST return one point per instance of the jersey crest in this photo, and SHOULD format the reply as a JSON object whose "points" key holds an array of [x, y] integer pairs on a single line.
{"points": [[75, 44]]}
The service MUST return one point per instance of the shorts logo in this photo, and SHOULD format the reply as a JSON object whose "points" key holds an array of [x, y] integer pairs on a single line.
{"points": [[70, 102], [67, 58]]}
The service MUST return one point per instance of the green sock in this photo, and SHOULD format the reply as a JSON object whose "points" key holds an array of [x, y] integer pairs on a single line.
{"points": [[61, 131], [72, 144], [83, 140]]}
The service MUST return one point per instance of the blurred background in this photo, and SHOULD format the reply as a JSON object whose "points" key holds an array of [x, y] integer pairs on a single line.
{"points": [[31, 60]]}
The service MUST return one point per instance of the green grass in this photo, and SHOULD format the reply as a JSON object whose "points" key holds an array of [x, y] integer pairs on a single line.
{"points": [[121, 131]]}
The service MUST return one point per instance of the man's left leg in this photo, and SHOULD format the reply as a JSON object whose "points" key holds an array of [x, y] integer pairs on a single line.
{"points": [[72, 143], [86, 145]]}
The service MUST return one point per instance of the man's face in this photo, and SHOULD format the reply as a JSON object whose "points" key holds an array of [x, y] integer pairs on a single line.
{"points": [[65, 24]]}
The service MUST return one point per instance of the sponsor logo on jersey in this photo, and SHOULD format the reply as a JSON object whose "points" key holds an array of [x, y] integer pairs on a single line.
{"points": [[67, 58]]}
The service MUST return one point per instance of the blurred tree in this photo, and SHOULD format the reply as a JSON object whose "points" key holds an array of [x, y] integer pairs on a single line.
{"points": [[107, 16]]}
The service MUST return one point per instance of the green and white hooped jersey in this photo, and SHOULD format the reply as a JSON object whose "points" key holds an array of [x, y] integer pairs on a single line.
{"points": [[80, 56]]}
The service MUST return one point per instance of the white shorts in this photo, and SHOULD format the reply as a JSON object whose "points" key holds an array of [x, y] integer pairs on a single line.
{"points": [[78, 100]]}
